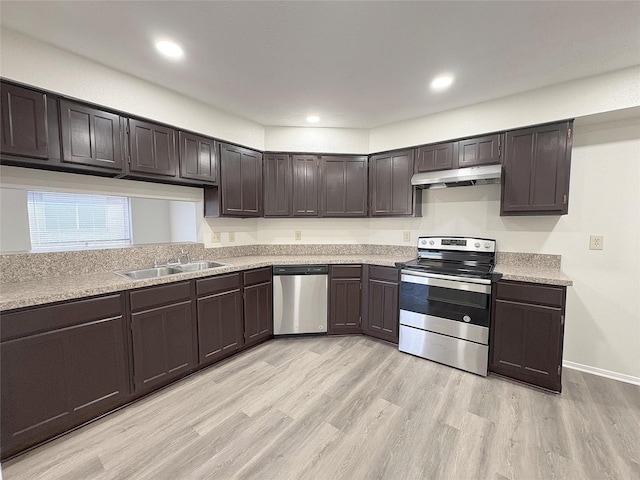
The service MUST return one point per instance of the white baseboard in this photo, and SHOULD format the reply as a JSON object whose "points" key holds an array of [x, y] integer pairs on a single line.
{"points": [[602, 372]]}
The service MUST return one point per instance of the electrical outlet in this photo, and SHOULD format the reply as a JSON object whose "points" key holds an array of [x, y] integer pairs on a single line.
{"points": [[232, 236], [215, 237], [406, 236], [596, 242], [298, 235]]}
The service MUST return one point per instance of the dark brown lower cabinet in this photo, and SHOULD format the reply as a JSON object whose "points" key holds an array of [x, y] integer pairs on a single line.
{"points": [[527, 333], [61, 366], [164, 335], [345, 286], [380, 294], [220, 325], [258, 308]]}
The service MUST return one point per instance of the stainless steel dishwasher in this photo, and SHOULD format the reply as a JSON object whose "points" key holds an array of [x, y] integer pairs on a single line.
{"points": [[300, 299]]}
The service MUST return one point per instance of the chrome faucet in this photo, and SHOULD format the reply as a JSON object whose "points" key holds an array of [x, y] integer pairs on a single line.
{"points": [[179, 258]]}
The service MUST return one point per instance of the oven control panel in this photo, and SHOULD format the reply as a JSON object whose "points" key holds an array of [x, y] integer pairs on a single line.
{"points": [[466, 244]]}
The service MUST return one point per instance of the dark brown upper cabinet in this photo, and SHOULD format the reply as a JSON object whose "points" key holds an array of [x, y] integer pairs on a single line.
{"points": [[476, 151], [390, 190], [527, 333], [277, 185], [152, 149], [305, 185], [344, 186], [439, 156], [198, 158], [537, 163], [90, 136], [241, 181], [24, 122]]}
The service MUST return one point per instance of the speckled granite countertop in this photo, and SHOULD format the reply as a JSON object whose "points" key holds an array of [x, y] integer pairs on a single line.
{"points": [[47, 290], [18, 293]]}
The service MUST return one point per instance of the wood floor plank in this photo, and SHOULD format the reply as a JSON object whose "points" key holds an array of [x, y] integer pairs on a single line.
{"points": [[351, 408]]}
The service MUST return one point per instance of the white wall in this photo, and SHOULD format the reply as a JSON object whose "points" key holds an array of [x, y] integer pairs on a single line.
{"points": [[316, 140], [587, 96], [27, 60], [14, 224]]}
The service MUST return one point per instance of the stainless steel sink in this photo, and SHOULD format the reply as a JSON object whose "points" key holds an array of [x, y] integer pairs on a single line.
{"points": [[145, 273], [199, 265], [155, 272]]}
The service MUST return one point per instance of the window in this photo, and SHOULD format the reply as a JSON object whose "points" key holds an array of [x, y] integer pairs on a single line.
{"points": [[74, 220]]}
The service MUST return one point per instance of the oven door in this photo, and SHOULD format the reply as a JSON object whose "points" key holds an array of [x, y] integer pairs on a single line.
{"points": [[453, 306]]}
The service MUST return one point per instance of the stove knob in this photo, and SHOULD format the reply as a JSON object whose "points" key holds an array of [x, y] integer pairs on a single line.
{"points": [[431, 242], [466, 318], [487, 244], [477, 244]]}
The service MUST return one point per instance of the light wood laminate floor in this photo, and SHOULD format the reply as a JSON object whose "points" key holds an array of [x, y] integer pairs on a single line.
{"points": [[352, 408]]}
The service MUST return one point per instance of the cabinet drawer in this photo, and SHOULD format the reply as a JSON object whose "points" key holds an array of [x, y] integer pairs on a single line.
{"points": [[162, 295], [531, 293], [346, 271], [259, 275], [386, 274], [51, 317], [222, 283]]}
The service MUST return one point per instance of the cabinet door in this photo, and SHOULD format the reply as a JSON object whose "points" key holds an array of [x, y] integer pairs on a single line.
{"points": [[198, 158], [527, 343], [536, 171], [485, 150], [390, 187], [90, 136], [162, 345], [277, 185], [344, 186], [55, 380], [220, 327], [24, 122], [152, 149], [258, 313], [436, 157], [382, 318], [344, 306], [241, 176], [305, 186]]}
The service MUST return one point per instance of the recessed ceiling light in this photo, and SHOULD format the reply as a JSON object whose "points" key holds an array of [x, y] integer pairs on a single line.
{"points": [[313, 119], [442, 82], [169, 49]]}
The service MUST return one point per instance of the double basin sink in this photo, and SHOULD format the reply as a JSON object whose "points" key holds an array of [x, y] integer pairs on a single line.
{"points": [[156, 272]]}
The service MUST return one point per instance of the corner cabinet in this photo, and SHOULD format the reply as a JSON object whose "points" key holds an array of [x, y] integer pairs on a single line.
{"points": [[390, 189], [537, 163], [345, 287], [343, 186], [381, 286], [62, 365], [527, 333]]}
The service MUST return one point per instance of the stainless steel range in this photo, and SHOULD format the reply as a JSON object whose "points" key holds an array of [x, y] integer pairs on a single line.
{"points": [[445, 301]]}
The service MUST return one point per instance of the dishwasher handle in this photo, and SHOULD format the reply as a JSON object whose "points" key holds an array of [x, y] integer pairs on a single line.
{"points": [[300, 269]]}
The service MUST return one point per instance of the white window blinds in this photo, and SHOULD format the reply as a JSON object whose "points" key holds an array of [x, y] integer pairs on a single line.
{"points": [[71, 220]]}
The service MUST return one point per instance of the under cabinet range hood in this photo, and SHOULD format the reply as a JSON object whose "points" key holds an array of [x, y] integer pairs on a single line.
{"points": [[482, 175]]}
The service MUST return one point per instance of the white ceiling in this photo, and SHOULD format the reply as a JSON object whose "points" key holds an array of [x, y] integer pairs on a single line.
{"points": [[355, 64]]}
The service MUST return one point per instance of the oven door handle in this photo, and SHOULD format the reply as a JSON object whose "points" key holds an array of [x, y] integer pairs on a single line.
{"points": [[445, 281]]}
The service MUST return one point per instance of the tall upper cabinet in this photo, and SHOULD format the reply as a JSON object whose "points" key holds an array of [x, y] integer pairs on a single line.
{"points": [[343, 186], [24, 122], [537, 164], [390, 190]]}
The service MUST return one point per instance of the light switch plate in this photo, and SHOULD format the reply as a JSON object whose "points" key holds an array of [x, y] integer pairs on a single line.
{"points": [[215, 237], [232, 236], [298, 235], [596, 242], [406, 236]]}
